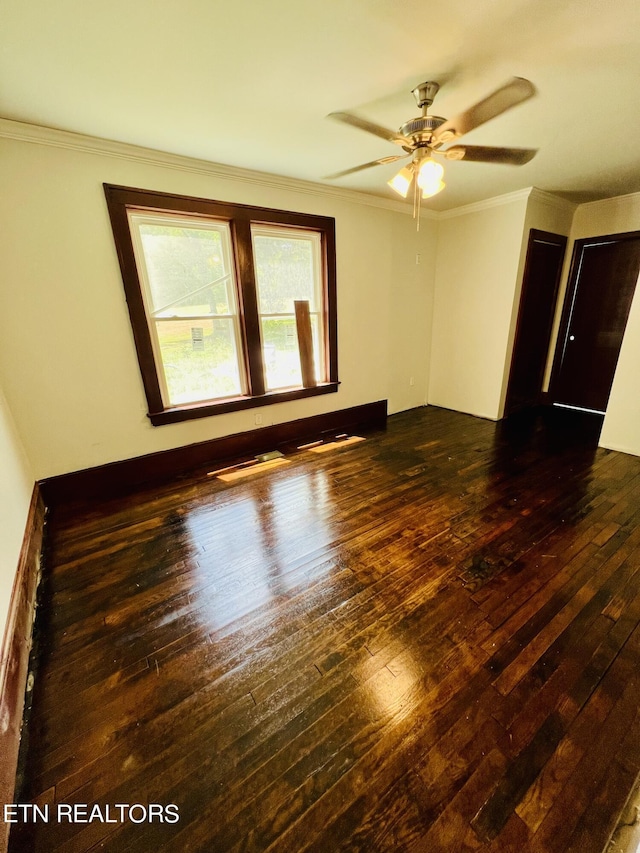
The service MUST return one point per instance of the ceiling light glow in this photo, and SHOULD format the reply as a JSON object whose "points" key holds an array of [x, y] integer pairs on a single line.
{"points": [[433, 189], [430, 176]]}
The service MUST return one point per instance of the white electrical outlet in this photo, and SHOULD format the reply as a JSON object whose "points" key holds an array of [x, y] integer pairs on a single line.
{"points": [[412, 381], [258, 420]]}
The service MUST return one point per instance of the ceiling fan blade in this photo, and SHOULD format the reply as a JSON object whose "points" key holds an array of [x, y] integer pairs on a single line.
{"points": [[489, 154], [370, 127], [512, 93], [381, 162]]}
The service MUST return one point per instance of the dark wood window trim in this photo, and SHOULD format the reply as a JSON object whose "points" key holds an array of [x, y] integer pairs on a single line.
{"points": [[240, 217]]}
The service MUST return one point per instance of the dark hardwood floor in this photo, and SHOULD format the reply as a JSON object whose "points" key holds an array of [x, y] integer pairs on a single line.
{"points": [[427, 641]]}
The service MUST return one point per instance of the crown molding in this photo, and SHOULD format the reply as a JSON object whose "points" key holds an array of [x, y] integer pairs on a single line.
{"points": [[486, 204], [55, 138], [551, 200], [617, 201]]}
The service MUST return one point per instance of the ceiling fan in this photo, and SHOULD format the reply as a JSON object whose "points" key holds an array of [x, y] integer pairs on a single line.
{"points": [[422, 137]]}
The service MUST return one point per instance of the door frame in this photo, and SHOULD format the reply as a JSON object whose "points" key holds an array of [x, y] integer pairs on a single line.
{"points": [[560, 240], [570, 294]]}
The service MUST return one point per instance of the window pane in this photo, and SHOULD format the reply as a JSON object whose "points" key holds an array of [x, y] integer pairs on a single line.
{"points": [[186, 267], [281, 357], [200, 359], [286, 269]]}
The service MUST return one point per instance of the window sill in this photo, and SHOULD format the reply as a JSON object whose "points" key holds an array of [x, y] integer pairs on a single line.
{"points": [[204, 410]]}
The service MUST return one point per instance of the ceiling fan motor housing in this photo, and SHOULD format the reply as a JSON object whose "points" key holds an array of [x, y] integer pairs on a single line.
{"points": [[420, 130]]}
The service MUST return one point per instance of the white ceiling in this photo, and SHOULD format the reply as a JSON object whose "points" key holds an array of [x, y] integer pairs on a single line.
{"points": [[249, 83]]}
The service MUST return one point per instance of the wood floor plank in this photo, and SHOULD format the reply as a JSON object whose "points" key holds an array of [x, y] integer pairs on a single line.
{"points": [[428, 641]]}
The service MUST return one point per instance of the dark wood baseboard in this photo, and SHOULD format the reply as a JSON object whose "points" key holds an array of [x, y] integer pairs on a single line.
{"points": [[16, 645], [117, 478]]}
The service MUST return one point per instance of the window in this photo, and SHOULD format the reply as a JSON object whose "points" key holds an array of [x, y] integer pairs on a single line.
{"points": [[288, 268], [231, 306]]}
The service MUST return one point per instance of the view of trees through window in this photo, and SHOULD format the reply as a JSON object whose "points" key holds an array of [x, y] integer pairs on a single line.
{"points": [[191, 300], [192, 303], [286, 265], [231, 306]]}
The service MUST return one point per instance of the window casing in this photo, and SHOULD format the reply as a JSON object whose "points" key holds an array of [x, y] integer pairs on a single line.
{"points": [[210, 288]]}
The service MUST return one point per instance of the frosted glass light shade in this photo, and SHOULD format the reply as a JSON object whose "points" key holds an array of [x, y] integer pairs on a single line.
{"points": [[433, 190], [430, 175], [402, 181]]}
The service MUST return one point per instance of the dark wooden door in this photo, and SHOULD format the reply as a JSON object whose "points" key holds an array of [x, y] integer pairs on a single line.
{"points": [[543, 266], [601, 287]]}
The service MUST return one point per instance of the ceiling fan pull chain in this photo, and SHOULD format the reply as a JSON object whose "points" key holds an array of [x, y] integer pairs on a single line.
{"points": [[417, 195]]}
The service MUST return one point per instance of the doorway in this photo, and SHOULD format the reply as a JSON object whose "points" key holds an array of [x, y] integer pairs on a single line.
{"points": [[543, 265], [602, 282]]}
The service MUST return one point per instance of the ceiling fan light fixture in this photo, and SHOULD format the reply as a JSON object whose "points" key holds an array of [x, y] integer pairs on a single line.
{"points": [[433, 189], [430, 176], [402, 181]]}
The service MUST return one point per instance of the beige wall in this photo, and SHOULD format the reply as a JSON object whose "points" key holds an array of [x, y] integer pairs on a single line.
{"points": [[476, 275], [479, 268], [67, 359], [410, 330], [16, 486], [621, 429]]}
